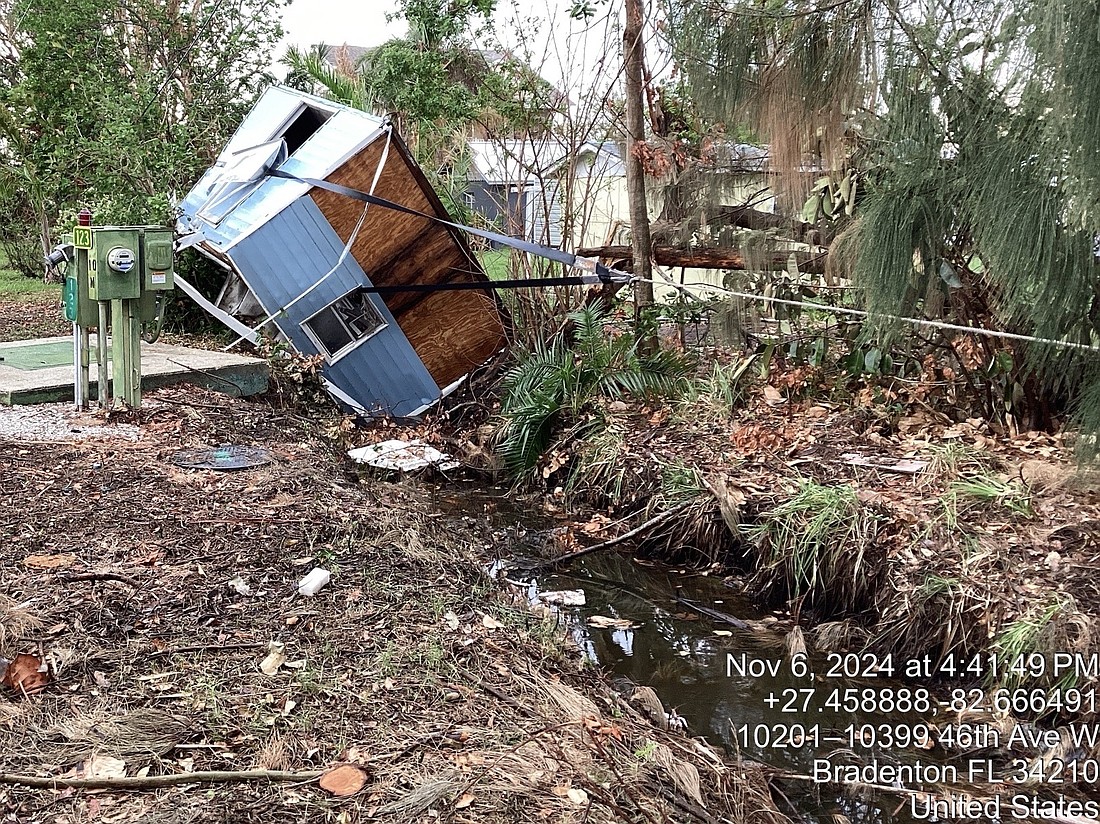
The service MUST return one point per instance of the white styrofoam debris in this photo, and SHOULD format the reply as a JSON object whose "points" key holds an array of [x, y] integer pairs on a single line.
{"points": [[563, 597], [405, 456]]}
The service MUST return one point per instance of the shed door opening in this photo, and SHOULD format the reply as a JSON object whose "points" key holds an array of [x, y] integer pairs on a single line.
{"points": [[344, 324], [304, 125]]}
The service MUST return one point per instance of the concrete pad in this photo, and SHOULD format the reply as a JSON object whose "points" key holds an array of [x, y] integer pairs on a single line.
{"points": [[41, 371]]}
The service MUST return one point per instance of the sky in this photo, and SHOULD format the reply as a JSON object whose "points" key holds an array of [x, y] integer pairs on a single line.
{"points": [[356, 22], [566, 53]]}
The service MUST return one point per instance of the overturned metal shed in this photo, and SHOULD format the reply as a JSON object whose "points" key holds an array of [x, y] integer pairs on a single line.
{"points": [[304, 257]]}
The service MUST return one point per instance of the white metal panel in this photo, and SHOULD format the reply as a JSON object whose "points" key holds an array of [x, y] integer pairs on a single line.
{"points": [[339, 138]]}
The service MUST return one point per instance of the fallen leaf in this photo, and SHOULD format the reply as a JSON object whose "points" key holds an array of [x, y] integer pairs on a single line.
{"points": [[464, 801], [489, 622], [274, 659], [773, 396], [25, 674], [345, 780], [104, 766], [50, 561]]}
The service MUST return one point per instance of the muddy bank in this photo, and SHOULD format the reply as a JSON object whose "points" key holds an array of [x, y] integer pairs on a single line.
{"points": [[163, 605], [874, 514]]}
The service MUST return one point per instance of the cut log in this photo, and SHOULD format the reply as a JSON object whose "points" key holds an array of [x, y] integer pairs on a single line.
{"points": [[708, 258]]}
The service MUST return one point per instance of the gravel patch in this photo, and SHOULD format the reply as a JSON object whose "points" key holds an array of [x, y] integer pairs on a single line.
{"points": [[59, 422]]}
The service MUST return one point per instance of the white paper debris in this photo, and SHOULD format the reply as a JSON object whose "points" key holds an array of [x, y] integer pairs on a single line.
{"points": [[403, 456]]}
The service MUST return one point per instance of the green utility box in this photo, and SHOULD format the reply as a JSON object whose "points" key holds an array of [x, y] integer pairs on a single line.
{"points": [[120, 282], [114, 264], [156, 263], [79, 307]]}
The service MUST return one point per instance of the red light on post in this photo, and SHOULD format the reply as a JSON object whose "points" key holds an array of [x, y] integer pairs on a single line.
{"points": [[84, 217]]}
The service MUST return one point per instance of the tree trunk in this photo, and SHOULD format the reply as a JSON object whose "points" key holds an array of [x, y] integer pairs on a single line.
{"points": [[634, 56]]}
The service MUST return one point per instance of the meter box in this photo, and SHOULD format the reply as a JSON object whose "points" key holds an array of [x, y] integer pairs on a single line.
{"points": [[114, 270], [157, 269]]}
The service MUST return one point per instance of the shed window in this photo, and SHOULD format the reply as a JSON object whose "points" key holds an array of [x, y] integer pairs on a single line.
{"points": [[344, 324], [304, 125]]}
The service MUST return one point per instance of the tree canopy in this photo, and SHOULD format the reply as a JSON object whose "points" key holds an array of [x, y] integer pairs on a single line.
{"points": [[118, 105], [973, 130]]}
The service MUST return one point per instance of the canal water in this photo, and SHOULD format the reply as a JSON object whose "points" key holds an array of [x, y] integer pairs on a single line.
{"points": [[723, 667]]}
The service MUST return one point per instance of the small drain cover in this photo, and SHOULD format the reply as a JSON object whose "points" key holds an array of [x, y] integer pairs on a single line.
{"points": [[223, 457]]}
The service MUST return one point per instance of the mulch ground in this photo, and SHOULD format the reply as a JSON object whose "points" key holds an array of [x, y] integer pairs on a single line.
{"points": [[162, 605], [33, 316]]}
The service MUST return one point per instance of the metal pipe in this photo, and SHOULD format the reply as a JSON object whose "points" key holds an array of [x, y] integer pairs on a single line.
{"points": [[79, 396], [102, 378]]}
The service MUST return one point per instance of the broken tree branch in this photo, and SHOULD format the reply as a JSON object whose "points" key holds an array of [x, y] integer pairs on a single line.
{"points": [[709, 258], [626, 536], [149, 782]]}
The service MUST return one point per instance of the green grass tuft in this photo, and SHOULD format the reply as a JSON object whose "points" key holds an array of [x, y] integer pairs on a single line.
{"points": [[817, 545]]}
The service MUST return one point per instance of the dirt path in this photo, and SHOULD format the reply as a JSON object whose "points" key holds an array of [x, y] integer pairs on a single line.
{"points": [[163, 602]]}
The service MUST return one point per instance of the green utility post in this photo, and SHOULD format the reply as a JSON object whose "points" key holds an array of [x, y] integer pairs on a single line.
{"points": [[119, 283]]}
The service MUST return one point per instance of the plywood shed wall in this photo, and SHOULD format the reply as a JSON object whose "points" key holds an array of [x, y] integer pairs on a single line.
{"points": [[452, 332]]}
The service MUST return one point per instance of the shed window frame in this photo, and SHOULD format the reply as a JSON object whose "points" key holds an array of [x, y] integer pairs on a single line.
{"points": [[322, 111], [356, 341]]}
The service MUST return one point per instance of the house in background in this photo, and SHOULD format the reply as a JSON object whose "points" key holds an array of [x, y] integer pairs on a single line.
{"points": [[282, 243], [546, 191]]}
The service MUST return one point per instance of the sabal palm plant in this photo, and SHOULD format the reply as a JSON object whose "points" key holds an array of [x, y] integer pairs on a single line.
{"points": [[555, 386]]}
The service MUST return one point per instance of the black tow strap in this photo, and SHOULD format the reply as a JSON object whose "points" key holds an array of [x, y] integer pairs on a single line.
{"points": [[600, 274]]}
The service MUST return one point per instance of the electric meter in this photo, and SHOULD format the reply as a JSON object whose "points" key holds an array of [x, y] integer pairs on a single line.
{"points": [[121, 259]]}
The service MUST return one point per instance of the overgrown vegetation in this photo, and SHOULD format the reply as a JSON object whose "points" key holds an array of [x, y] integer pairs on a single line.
{"points": [[818, 548], [959, 128], [117, 106], [556, 387]]}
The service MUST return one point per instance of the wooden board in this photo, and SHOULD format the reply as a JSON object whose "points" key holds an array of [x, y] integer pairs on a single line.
{"points": [[452, 332]]}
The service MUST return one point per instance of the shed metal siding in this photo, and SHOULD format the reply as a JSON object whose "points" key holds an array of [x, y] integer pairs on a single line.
{"points": [[292, 252]]}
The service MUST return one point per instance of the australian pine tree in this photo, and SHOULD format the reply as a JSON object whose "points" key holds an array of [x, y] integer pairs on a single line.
{"points": [[973, 130]]}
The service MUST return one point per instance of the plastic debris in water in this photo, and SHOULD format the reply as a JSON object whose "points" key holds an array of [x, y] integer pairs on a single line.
{"points": [[563, 598]]}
